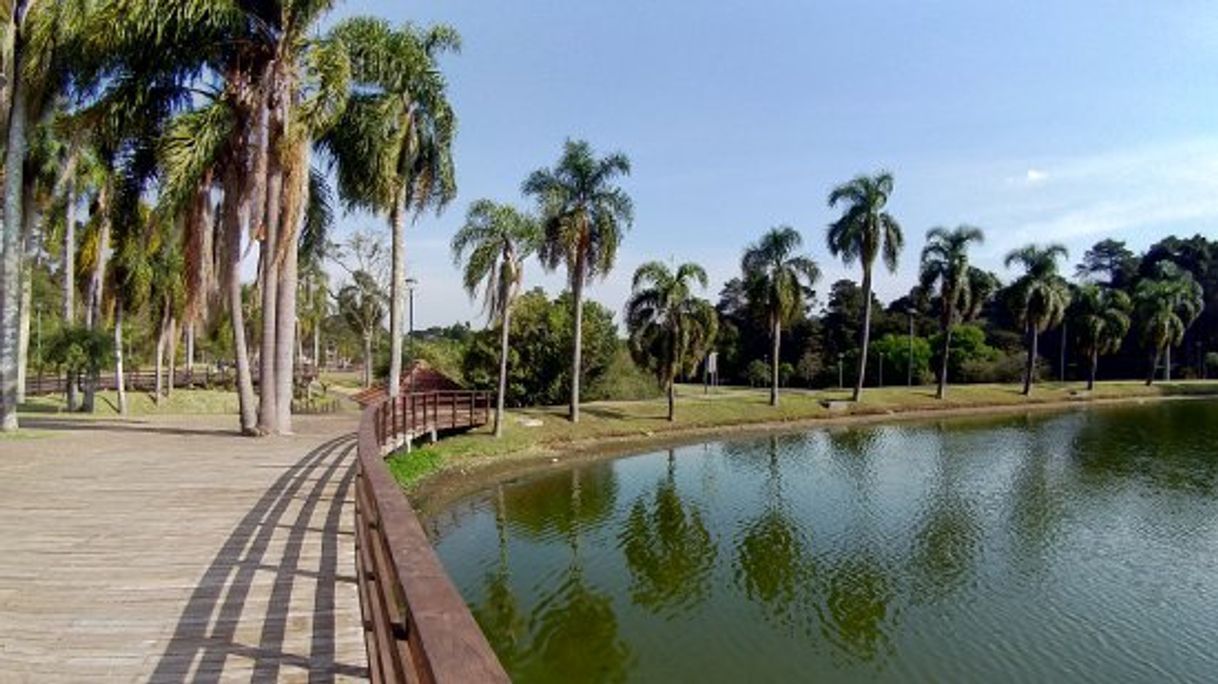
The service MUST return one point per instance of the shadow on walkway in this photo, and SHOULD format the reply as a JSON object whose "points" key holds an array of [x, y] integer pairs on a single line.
{"points": [[248, 588]]}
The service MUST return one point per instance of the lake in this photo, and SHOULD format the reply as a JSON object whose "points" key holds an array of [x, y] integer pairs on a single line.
{"points": [[1077, 546]]}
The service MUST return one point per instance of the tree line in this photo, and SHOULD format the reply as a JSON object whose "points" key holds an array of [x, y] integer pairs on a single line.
{"points": [[963, 323], [149, 146]]}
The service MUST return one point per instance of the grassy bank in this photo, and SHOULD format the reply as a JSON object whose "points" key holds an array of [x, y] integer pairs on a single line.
{"points": [[182, 402], [535, 433]]}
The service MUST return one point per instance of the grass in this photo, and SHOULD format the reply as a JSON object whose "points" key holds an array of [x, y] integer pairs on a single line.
{"points": [[729, 407], [195, 402]]}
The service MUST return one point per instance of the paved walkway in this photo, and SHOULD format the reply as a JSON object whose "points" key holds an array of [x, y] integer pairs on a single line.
{"points": [[171, 551]]}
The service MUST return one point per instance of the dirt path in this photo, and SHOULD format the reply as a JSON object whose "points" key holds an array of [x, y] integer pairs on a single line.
{"points": [[174, 550]]}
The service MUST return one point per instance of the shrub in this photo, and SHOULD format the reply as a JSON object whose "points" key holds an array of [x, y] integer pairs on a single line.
{"points": [[1002, 367]]}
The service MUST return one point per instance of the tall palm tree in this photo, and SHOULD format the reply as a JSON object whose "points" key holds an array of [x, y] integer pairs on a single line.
{"points": [[494, 242], [1101, 317], [584, 214], [863, 232], [671, 330], [1041, 297], [945, 261], [393, 144], [778, 282], [1167, 306]]}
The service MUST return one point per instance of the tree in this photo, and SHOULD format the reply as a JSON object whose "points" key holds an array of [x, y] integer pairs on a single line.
{"points": [[863, 232], [671, 330], [1167, 306], [1101, 318], [779, 283], [584, 215], [393, 146], [1040, 297], [362, 305], [945, 262], [1108, 262], [494, 242]]}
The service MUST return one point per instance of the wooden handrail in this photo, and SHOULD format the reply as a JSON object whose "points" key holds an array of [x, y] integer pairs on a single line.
{"points": [[417, 628]]}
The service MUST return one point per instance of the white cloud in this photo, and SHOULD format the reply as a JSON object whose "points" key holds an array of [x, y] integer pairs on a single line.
{"points": [[1035, 176]]}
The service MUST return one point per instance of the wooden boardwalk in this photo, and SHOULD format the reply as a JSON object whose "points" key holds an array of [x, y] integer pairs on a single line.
{"points": [[168, 552]]}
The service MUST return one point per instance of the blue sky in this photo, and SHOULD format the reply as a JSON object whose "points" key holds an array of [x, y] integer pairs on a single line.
{"points": [[1063, 121]]}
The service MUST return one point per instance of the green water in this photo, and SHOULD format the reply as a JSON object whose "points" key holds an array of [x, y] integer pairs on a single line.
{"points": [[1072, 547]]}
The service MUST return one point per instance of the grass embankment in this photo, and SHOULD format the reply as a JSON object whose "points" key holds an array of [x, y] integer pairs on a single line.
{"points": [[616, 422], [181, 402]]}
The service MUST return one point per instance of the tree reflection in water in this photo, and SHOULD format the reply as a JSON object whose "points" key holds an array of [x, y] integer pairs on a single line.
{"points": [[668, 549], [947, 538]]}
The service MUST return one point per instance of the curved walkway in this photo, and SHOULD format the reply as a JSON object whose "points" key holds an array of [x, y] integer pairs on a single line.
{"points": [[174, 550]]}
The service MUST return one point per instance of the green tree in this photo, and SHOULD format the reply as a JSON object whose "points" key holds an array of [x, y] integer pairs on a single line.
{"points": [[1040, 297], [584, 214], [670, 328], [945, 262], [393, 145], [863, 232], [895, 349], [779, 283], [362, 306], [1101, 317], [1167, 305], [494, 242]]}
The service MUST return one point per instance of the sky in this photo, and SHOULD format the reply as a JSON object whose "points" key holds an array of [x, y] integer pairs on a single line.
{"points": [[1036, 120]]}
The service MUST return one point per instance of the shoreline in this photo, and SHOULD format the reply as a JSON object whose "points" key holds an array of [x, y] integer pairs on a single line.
{"points": [[458, 480]]}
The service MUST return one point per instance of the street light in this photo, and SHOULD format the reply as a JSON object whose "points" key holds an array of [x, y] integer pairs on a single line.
{"points": [[840, 382], [911, 311]]}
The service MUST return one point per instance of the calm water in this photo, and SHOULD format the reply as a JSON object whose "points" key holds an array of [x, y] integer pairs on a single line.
{"points": [[1071, 547]]}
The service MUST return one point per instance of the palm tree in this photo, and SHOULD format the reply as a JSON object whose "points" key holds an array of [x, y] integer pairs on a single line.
{"points": [[1167, 306], [864, 231], [670, 329], [1101, 317], [1041, 297], [778, 282], [945, 261], [494, 242], [393, 144], [584, 214], [362, 306]]}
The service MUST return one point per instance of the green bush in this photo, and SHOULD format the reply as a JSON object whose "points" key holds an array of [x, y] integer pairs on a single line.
{"points": [[895, 351], [1004, 367]]}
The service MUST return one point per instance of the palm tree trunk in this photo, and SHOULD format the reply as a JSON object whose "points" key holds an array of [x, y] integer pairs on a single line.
{"points": [[158, 387], [858, 385], [97, 283], [232, 275], [285, 337], [503, 358], [947, 347], [171, 352], [317, 346], [1154, 366], [10, 247], [577, 291], [268, 409], [1095, 364], [119, 383], [68, 283], [397, 305], [367, 360], [672, 400], [775, 347], [1030, 370], [190, 349]]}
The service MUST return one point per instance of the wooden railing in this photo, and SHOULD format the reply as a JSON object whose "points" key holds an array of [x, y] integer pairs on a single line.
{"points": [[145, 380], [417, 628]]}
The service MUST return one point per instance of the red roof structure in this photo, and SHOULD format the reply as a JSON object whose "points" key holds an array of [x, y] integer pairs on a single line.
{"points": [[420, 377]]}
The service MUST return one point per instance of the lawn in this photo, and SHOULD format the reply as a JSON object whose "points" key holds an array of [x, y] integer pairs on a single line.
{"points": [[193, 402], [534, 432]]}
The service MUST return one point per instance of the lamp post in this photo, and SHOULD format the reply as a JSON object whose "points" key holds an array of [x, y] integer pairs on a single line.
{"points": [[840, 383], [909, 363], [411, 284], [41, 362], [1061, 371]]}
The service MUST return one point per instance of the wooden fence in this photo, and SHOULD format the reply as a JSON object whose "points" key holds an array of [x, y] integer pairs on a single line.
{"points": [[417, 628]]}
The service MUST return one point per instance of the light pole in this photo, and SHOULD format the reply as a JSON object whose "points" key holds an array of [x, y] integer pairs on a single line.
{"points": [[1061, 371], [909, 362], [411, 284], [880, 367], [840, 383], [38, 309]]}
